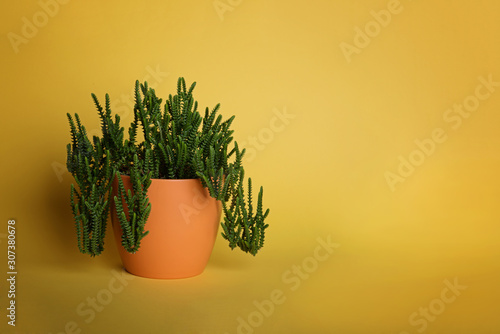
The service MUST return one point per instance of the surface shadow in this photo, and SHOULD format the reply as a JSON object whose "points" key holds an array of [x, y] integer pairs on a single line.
{"points": [[223, 257]]}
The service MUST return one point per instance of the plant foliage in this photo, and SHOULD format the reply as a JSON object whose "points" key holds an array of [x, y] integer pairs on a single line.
{"points": [[178, 142]]}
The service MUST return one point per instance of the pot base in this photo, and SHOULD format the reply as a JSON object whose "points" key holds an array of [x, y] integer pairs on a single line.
{"points": [[182, 226]]}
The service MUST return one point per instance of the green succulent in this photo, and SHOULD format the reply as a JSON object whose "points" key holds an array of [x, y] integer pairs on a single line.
{"points": [[177, 143]]}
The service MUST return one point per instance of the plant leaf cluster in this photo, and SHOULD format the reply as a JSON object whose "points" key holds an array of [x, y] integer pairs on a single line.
{"points": [[177, 142]]}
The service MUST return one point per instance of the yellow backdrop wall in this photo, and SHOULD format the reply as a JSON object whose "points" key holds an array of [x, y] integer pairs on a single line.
{"points": [[373, 126]]}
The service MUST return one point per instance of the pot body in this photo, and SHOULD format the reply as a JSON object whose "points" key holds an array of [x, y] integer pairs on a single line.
{"points": [[182, 226]]}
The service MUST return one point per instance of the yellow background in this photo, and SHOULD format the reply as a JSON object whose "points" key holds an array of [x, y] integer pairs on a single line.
{"points": [[324, 169]]}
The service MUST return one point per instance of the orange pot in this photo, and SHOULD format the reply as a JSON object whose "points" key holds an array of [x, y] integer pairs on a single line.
{"points": [[182, 227]]}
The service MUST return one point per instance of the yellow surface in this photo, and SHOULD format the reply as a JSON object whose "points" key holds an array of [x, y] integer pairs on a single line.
{"points": [[416, 254]]}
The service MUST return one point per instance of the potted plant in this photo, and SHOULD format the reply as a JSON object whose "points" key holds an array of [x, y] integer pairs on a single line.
{"points": [[165, 186]]}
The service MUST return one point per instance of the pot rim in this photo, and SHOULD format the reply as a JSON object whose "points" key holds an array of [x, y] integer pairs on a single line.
{"points": [[196, 179]]}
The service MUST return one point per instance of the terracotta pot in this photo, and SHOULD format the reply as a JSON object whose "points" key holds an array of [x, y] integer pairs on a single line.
{"points": [[182, 226]]}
